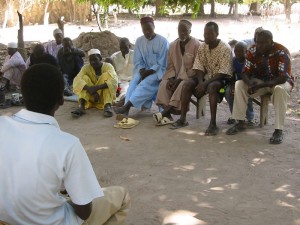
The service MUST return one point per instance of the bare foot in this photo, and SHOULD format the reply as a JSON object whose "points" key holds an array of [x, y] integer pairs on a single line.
{"points": [[212, 130]]}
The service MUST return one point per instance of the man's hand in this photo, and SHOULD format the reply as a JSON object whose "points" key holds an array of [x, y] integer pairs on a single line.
{"points": [[201, 89], [91, 90], [96, 97], [173, 84], [145, 73], [253, 87]]}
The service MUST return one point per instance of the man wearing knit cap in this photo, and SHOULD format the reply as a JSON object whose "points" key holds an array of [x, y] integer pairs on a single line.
{"points": [[52, 47], [13, 67], [150, 62], [96, 85], [181, 57]]}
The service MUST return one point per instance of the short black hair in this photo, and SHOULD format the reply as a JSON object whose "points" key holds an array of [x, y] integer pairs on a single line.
{"points": [[214, 25], [38, 50], [124, 40], [266, 34], [68, 39], [42, 87]]}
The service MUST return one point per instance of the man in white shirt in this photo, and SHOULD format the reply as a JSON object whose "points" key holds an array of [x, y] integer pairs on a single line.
{"points": [[38, 160], [52, 47], [13, 67], [123, 64]]}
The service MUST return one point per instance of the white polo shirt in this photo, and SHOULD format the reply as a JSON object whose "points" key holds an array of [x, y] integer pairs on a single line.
{"points": [[36, 160]]}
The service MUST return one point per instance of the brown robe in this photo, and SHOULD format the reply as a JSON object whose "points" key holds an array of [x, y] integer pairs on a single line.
{"points": [[179, 66]]}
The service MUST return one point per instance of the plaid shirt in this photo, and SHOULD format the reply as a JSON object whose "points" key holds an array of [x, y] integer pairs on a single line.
{"points": [[269, 67]]}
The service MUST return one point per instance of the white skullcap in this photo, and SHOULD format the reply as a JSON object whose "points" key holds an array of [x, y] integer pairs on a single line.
{"points": [[57, 31], [94, 51], [12, 45]]}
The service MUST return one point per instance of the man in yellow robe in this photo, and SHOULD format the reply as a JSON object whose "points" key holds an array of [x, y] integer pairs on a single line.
{"points": [[96, 85]]}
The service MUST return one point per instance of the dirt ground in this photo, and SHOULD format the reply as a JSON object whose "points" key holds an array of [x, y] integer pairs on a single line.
{"points": [[185, 178]]}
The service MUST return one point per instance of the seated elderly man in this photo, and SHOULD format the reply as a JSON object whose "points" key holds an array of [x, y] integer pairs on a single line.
{"points": [[267, 70], [45, 164], [53, 46], [70, 62], [13, 67], [123, 64], [96, 85], [39, 55], [181, 56], [150, 62], [213, 67]]}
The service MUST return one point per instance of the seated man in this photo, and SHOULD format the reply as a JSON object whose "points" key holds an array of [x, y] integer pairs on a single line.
{"points": [[238, 63], [13, 67], [45, 161], [150, 62], [96, 85], [213, 67], [70, 62], [39, 55], [181, 56], [123, 64], [52, 47], [267, 70]]}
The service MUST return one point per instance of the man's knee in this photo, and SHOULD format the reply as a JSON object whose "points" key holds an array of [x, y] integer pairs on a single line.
{"points": [[188, 85], [214, 87]]}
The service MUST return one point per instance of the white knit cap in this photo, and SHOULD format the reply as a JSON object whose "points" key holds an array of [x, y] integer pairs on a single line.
{"points": [[12, 45], [57, 31], [94, 51]]}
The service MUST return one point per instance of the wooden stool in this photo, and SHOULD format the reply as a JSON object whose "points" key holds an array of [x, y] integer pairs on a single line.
{"points": [[264, 108], [200, 104]]}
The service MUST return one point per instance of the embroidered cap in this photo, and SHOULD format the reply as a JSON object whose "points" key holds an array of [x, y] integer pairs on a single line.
{"points": [[94, 51], [12, 45]]}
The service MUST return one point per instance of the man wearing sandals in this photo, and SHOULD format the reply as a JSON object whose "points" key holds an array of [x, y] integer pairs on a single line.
{"points": [[150, 62], [46, 162], [213, 67], [181, 56], [267, 70], [96, 85]]}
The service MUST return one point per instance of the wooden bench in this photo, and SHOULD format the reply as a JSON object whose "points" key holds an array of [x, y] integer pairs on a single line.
{"points": [[264, 108]]}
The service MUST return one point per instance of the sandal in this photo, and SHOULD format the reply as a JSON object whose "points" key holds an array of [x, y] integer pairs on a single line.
{"points": [[211, 131], [230, 121], [165, 121], [277, 137], [179, 124], [236, 128], [108, 111], [78, 112], [157, 117]]}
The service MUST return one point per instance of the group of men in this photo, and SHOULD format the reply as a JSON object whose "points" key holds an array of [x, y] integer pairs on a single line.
{"points": [[55, 165]]}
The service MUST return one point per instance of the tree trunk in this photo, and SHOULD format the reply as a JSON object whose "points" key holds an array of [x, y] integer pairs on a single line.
{"points": [[158, 5], [46, 14], [5, 19], [96, 13], [212, 9], [287, 10], [201, 8], [21, 45], [253, 8], [236, 10], [230, 8]]}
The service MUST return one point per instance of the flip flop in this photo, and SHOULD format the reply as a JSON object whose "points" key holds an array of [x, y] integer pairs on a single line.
{"points": [[236, 129], [210, 132], [127, 123], [6, 104], [78, 112], [277, 137], [165, 121], [179, 124], [108, 111], [157, 117]]}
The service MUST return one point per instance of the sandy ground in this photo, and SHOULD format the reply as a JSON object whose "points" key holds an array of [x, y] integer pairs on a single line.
{"points": [[183, 177]]}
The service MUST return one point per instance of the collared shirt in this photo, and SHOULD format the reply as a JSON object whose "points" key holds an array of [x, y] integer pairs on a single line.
{"points": [[123, 66], [52, 48], [214, 61], [269, 67], [36, 160]]}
